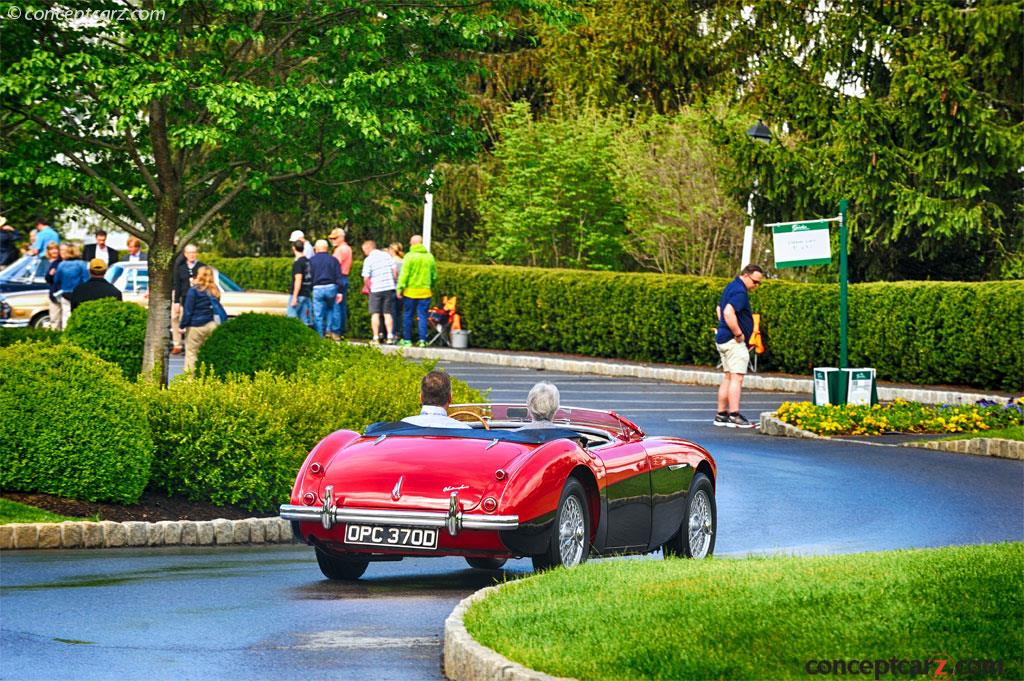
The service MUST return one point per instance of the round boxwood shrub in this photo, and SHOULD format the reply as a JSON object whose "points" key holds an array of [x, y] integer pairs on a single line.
{"points": [[113, 330], [70, 425], [259, 342]]}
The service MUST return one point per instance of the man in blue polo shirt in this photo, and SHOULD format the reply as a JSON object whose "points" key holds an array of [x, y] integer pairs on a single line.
{"points": [[735, 327]]}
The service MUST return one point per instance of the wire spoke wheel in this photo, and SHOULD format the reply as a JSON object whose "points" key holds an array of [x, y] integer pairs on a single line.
{"points": [[700, 525], [569, 542], [571, 531]]}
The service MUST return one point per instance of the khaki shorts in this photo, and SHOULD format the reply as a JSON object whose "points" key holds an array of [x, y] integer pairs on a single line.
{"points": [[735, 356]]}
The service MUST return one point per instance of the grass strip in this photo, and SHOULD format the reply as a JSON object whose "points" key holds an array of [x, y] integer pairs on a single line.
{"points": [[763, 618], [1011, 433], [13, 512]]}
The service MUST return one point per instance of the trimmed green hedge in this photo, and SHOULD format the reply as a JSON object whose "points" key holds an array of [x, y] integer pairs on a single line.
{"points": [[10, 336], [259, 342], [916, 332], [114, 330], [70, 425]]}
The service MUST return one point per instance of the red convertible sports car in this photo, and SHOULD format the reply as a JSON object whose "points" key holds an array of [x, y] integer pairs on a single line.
{"points": [[593, 484]]}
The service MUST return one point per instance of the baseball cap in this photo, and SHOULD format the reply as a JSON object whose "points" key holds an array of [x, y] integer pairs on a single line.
{"points": [[296, 235], [336, 233], [97, 266]]}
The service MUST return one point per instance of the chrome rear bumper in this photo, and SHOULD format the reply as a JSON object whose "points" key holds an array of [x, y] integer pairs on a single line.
{"points": [[454, 520]]}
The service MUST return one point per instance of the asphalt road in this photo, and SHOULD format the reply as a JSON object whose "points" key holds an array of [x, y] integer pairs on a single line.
{"points": [[267, 613]]}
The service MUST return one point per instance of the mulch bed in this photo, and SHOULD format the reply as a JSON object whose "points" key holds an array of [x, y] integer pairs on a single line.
{"points": [[151, 508]]}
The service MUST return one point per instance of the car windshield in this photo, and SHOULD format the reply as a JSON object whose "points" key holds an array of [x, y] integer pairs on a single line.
{"points": [[226, 284], [24, 269], [114, 272], [568, 416], [136, 279], [128, 279]]}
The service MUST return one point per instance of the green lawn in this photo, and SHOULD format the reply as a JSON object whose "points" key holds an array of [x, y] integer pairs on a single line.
{"points": [[1011, 433], [762, 618], [13, 512]]}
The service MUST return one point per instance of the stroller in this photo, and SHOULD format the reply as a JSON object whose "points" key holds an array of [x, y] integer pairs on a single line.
{"points": [[443, 320]]}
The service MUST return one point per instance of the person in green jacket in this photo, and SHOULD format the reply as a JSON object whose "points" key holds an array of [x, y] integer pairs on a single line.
{"points": [[415, 286]]}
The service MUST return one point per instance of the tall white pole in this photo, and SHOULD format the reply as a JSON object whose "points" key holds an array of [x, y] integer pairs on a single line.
{"points": [[428, 212], [748, 233]]}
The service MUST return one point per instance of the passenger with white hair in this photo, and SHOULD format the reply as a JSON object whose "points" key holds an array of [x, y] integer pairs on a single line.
{"points": [[542, 403]]}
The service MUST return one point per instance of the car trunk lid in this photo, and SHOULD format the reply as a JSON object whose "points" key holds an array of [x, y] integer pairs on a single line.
{"points": [[418, 472]]}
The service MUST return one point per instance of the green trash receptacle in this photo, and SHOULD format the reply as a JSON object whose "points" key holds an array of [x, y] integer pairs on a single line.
{"points": [[860, 386], [828, 386]]}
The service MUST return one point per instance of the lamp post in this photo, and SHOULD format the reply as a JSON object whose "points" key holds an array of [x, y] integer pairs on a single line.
{"points": [[428, 211], [760, 133]]}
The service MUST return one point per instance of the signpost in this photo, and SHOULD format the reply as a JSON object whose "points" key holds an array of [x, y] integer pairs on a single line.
{"points": [[798, 244], [806, 242]]}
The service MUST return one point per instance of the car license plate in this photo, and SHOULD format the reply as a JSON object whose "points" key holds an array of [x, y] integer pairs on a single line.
{"points": [[392, 537]]}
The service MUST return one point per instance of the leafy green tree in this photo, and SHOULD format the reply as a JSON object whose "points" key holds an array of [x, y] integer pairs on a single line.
{"points": [[681, 217], [551, 200], [158, 118], [659, 56], [912, 110]]}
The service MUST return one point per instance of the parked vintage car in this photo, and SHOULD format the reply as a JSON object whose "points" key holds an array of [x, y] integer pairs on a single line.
{"points": [[31, 308], [593, 485]]}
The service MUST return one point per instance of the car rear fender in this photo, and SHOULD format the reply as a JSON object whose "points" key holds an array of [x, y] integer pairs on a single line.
{"points": [[534, 489], [309, 480]]}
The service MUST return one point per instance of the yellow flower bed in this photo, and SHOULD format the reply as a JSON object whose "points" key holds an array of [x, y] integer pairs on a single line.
{"points": [[900, 416]]}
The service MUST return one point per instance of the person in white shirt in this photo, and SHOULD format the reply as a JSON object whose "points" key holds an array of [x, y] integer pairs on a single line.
{"points": [[435, 396], [100, 250]]}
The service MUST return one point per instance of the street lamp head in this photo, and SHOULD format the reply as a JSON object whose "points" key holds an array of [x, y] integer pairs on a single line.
{"points": [[760, 132]]}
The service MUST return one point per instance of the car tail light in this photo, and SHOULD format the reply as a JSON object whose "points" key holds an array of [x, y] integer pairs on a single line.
{"points": [[500, 474], [316, 468], [309, 499], [490, 504]]}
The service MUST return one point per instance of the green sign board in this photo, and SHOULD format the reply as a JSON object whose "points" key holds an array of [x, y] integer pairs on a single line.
{"points": [[798, 244]]}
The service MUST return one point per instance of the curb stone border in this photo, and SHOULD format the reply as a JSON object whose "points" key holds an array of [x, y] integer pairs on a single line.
{"points": [[978, 446], [107, 534], [675, 375], [467, 660], [773, 425]]}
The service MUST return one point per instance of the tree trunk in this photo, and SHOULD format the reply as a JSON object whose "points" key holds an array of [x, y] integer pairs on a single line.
{"points": [[161, 259]]}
